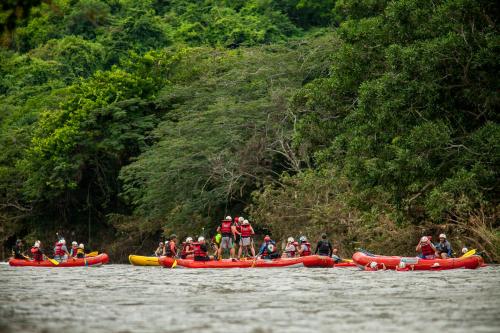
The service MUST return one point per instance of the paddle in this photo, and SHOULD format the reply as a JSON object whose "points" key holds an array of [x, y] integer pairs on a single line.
{"points": [[174, 263], [92, 254], [53, 261], [469, 253]]}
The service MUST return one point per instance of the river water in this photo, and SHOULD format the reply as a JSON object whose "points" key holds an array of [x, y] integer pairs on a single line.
{"points": [[123, 298]]}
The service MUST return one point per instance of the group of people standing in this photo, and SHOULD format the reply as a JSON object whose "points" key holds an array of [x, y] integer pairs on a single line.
{"points": [[61, 251], [235, 237]]}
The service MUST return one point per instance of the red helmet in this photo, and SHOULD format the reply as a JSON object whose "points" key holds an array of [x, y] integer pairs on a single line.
{"points": [[267, 239]]}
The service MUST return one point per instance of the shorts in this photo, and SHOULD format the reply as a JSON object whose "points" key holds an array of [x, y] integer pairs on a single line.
{"points": [[238, 239], [246, 241], [226, 242]]}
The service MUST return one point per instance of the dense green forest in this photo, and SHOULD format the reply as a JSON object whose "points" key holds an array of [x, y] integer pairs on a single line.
{"points": [[373, 120]]}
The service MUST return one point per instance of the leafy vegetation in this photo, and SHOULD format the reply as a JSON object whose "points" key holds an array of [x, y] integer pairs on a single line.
{"points": [[375, 121]]}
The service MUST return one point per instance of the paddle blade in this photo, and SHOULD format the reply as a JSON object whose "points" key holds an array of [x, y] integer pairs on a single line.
{"points": [[174, 263], [469, 253], [54, 262]]}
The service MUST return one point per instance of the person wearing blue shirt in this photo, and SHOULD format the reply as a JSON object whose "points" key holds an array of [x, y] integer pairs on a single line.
{"points": [[268, 249], [443, 248]]}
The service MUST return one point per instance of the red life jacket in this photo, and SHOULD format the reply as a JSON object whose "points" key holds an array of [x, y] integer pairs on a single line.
{"points": [[37, 254], [74, 251], [306, 252], [291, 253], [59, 251], [198, 252], [246, 230], [427, 250], [186, 247], [225, 227]]}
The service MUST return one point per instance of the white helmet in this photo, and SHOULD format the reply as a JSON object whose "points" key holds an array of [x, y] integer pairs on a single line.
{"points": [[290, 239], [229, 218], [465, 250], [81, 246], [189, 240], [442, 236], [161, 243], [37, 244], [245, 222], [373, 265], [241, 219], [424, 239], [303, 239], [63, 241], [201, 239], [402, 264], [74, 243]]}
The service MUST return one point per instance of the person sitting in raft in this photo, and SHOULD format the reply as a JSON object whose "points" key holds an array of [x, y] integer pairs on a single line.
{"points": [[305, 247], [426, 248], [36, 251], [335, 256], [80, 253], [324, 247], [374, 266], [74, 249], [61, 251], [187, 251], [246, 241], [268, 249], [159, 250], [17, 250], [200, 250], [443, 248], [290, 248], [170, 249]]}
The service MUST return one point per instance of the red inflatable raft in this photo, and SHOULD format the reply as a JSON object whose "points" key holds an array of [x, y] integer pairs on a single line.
{"points": [[309, 261], [88, 261], [418, 264]]}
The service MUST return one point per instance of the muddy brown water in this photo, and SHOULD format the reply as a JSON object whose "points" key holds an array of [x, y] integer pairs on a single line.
{"points": [[124, 298]]}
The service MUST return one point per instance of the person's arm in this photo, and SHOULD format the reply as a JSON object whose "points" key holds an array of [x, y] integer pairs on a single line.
{"points": [[251, 230], [419, 247], [234, 231], [330, 249], [317, 248], [173, 249]]}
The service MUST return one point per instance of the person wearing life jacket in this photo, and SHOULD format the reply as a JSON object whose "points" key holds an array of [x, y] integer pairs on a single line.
{"points": [[246, 241], [426, 249], [17, 250], [80, 253], [170, 249], [36, 252], [200, 250], [228, 231], [187, 251], [268, 249], [324, 247], [159, 250], [290, 249], [61, 251], [238, 221], [74, 249], [335, 256], [374, 266], [305, 247], [402, 267], [443, 248]]}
